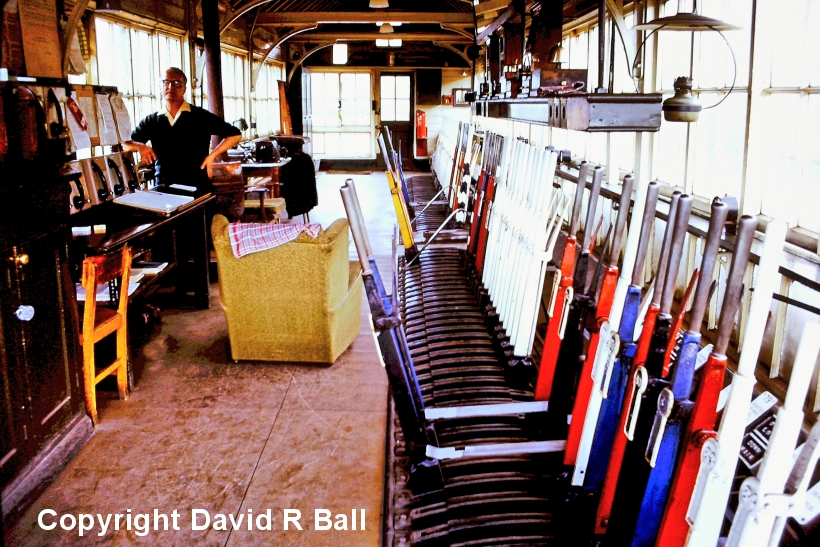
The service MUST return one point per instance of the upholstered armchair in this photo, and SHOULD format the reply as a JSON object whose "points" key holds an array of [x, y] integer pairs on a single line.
{"points": [[300, 301]]}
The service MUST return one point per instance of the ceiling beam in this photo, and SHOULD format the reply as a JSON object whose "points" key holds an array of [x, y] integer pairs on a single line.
{"points": [[375, 35], [307, 17], [491, 5], [495, 25]]}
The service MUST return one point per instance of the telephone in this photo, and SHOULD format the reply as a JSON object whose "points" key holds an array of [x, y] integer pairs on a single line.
{"points": [[119, 186], [128, 163], [78, 199], [102, 191]]}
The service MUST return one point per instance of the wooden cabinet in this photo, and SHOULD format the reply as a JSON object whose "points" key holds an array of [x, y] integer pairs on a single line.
{"points": [[40, 363]]}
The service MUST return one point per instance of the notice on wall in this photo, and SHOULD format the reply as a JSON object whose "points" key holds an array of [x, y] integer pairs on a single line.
{"points": [[85, 100], [77, 123], [108, 128], [122, 117], [41, 38]]}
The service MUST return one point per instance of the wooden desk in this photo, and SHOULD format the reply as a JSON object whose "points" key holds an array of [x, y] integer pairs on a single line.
{"points": [[272, 186], [180, 239], [250, 170]]}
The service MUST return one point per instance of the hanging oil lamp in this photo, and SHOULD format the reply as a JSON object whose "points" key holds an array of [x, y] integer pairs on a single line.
{"points": [[683, 107]]}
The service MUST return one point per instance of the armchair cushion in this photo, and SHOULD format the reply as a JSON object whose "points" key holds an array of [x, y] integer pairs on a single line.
{"points": [[300, 301]]}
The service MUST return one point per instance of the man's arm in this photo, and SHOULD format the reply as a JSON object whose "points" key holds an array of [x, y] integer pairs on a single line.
{"points": [[146, 153], [226, 144]]}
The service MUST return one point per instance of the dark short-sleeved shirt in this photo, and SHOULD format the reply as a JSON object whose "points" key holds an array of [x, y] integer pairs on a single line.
{"points": [[182, 148]]}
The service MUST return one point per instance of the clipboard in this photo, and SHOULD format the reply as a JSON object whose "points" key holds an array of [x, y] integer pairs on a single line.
{"points": [[107, 125], [87, 103]]}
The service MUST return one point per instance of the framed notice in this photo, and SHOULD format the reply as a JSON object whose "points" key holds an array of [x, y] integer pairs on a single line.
{"points": [[107, 126], [447, 100], [77, 123], [86, 102], [459, 96], [121, 117], [41, 39]]}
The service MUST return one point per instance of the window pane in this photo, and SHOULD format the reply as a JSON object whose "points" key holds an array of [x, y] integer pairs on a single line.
{"points": [[402, 87], [674, 54], [332, 144], [715, 62], [624, 148], [596, 146], [388, 87], [363, 86], [318, 142], [810, 188], [142, 67], [578, 51], [719, 146], [783, 171], [787, 48], [670, 158], [348, 82], [811, 54], [388, 110], [402, 110]]}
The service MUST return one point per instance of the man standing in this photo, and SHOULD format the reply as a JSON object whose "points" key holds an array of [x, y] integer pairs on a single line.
{"points": [[180, 137]]}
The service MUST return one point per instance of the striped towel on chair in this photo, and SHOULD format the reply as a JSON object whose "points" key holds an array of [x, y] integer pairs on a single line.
{"points": [[252, 237]]}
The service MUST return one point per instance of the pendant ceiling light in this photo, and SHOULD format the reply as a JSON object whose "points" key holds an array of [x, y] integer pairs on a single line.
{"points": [[386, 28], [687, 22], [379, 4], [683, 106]]}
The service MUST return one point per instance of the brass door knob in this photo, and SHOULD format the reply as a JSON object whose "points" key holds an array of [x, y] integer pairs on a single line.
{"points": [[20, 260]]}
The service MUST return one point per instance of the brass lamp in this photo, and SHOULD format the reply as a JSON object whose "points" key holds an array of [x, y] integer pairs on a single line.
{"points": [[682, 107]]}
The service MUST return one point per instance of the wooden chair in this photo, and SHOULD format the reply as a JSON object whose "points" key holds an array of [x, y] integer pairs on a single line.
{"points": [[103, 318]]}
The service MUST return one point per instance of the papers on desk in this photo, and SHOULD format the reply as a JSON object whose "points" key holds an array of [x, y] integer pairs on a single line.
{"points": [[154, 201], [103, 294], [183, 187], [147, 268]]}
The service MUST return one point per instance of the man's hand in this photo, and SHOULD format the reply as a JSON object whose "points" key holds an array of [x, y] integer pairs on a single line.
{"points": [[226, 144], [147, 154], [208, 164]]}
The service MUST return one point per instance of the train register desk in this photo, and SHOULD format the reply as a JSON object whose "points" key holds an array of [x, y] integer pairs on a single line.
{"points": [[167, 233]]}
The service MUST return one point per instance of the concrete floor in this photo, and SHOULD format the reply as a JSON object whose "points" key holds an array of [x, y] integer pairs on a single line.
{"points": [[202, 432]]}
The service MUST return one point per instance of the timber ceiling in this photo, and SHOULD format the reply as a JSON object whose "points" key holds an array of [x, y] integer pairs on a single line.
{"points": [[436, 30]]}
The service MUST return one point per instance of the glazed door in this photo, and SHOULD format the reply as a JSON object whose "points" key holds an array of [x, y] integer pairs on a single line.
{"points": [[13, 424], [396, 105]]}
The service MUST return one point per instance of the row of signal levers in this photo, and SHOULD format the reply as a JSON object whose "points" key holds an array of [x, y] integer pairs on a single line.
{"points": [[600, 428]]}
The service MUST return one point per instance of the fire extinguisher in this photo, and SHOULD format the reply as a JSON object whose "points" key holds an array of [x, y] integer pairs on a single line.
{"points": [[421, 124], [421, 133]]}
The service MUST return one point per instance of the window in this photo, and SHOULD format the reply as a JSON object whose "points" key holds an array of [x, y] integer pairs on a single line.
{"points": [[341, 111], [788, 181], [715, 145], [134, 60], [355, 94], [266, 99], [233, 88], [395, 98]]}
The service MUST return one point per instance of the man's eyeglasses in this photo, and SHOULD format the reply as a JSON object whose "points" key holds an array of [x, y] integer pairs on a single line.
{"points": [[172, 83]]}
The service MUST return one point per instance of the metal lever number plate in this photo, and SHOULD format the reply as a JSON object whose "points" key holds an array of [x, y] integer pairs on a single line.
{"points": [[640, 380], [666, 401]]}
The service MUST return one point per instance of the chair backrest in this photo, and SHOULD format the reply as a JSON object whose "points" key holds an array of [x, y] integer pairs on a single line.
{"points": [[302, 269], [112, 268]]}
